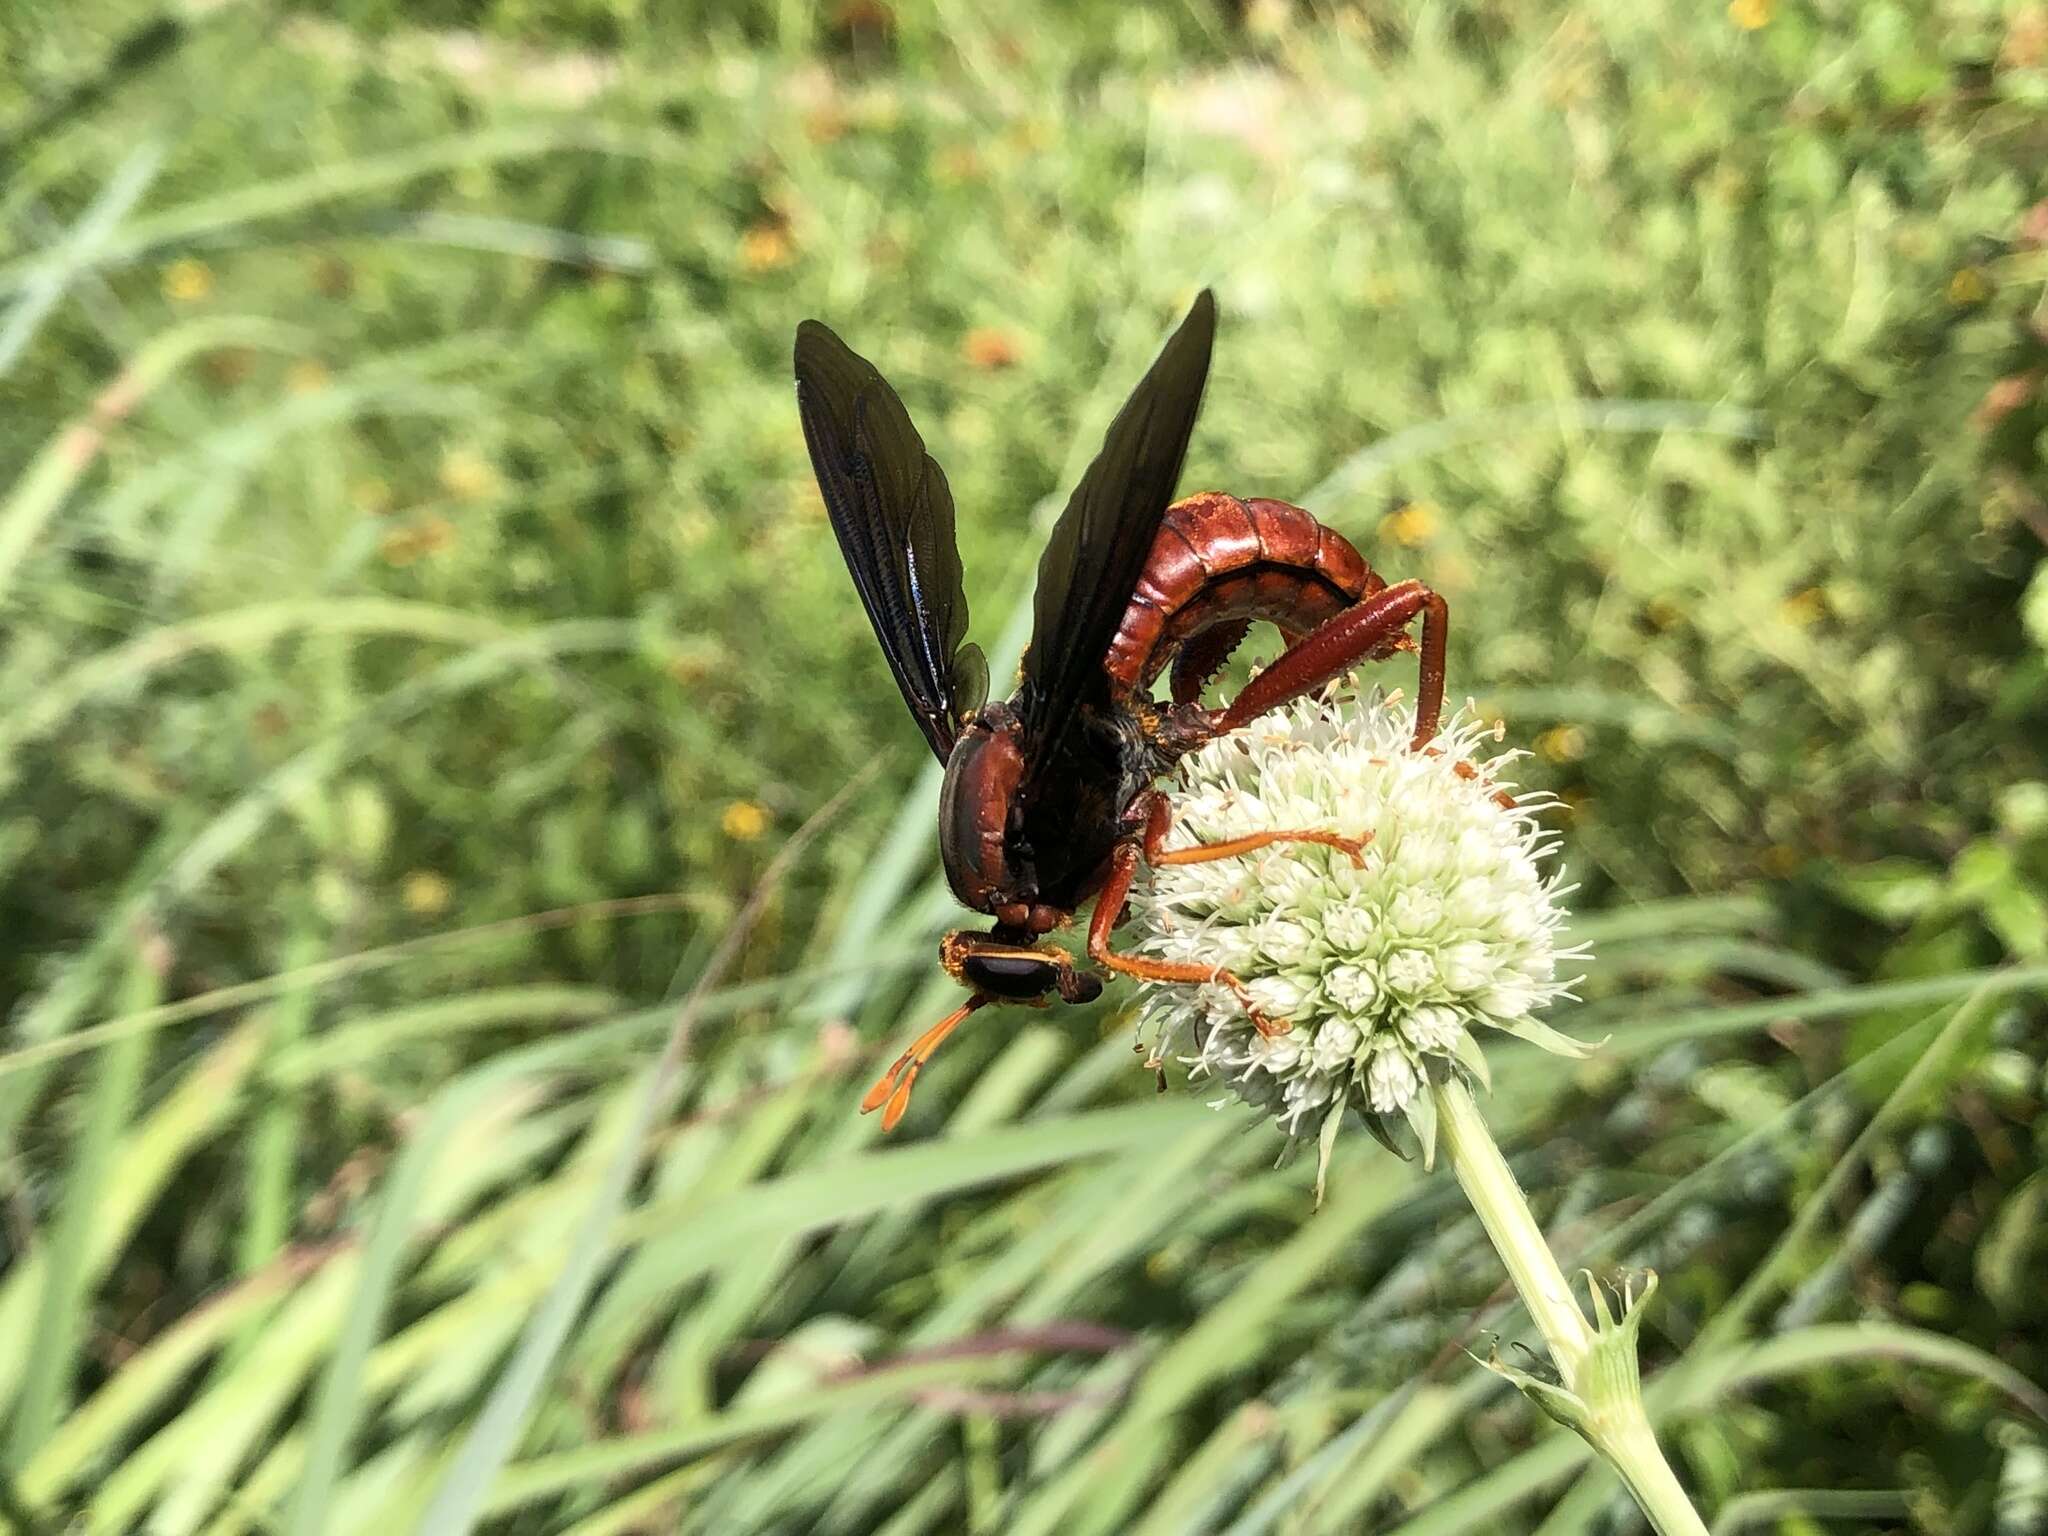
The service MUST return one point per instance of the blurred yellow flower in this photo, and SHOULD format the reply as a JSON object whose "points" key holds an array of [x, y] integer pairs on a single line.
{"points": [[806, 505], [332, 276], [187, 281], [744, 821], [1968, 287], [467, 475], [426, 893], [957, 163], [1268, 19], [308, 376], [372, 495], [1030, 135], [2026, 39], [429, 536], [989, 347], [878, 109], [825, 122], [1411, 525], [1803, 610], [690, 668], [1751, 14], [1662, 612], [1562, 744], [1780, 861], [229, 366], [766, 247]]}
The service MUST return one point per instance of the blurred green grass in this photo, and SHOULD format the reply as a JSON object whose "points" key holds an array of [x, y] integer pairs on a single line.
{"points": [[404, 531]]}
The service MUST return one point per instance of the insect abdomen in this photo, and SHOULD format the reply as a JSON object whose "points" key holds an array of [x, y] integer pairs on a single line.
{"points": [[1218, 564]]}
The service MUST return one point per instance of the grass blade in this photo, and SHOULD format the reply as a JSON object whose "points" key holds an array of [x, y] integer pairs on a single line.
{"points": [[124, 189], [68, 1274], [460, 1501], [56, 471]]}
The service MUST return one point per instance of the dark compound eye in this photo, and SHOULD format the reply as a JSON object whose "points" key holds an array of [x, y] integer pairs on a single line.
{"points": [[1010, 975]]}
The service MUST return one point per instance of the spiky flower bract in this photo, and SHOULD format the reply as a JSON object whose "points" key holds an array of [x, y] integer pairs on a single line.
{"points": [[1384, 968]]}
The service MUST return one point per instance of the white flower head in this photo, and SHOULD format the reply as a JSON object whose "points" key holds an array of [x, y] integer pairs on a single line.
{"points": [[1384, 968]]}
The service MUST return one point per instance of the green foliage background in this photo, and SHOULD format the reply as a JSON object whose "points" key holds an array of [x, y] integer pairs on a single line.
{"points": [[418, 632]]}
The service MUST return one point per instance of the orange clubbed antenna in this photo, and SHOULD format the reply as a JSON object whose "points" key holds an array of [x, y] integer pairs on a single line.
{"points": [[893, 1087]]}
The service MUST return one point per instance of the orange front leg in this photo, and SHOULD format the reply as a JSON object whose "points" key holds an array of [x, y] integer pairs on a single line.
{"points": [[1109, 908], [1205, 853], [1159, 821]]}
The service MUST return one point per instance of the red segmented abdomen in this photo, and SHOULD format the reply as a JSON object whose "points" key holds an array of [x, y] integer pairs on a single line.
{"points": [[1217, 565]]}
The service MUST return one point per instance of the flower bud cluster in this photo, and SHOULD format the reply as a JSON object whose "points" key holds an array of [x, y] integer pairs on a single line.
{"points": [[1383, 969]]}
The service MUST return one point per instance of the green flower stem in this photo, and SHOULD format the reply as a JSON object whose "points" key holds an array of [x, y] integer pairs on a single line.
{"points": [[1601, 1395], [1632, 1450], [1490, 1185]]}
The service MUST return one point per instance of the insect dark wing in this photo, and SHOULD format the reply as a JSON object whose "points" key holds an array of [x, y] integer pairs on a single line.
{"points": [[893, 514], [1091, 564]]}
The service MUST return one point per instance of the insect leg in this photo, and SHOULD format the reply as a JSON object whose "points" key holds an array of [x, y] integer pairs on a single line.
{"points": [[1109, 906], [1230, 848], [1159, 821], [894, 1085], [1367, 629]]}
